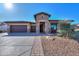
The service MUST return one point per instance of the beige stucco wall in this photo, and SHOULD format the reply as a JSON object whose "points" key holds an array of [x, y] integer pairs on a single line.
{"points": [[47, 23], [38, 17], [58, 27]]}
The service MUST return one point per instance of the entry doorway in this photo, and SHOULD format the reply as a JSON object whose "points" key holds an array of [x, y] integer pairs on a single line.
{"points": [[42, 27]]}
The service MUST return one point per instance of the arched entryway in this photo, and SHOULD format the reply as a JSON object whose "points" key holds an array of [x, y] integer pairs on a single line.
{"points": [[42, 27]]}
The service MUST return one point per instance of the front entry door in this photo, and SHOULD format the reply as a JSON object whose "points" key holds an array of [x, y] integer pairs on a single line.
{"points": [[42, 27]]}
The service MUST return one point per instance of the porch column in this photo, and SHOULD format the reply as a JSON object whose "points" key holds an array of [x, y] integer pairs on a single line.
{"points": [[46, 28], [38, 28], [58, 27], [8, 28], [28, 28]]}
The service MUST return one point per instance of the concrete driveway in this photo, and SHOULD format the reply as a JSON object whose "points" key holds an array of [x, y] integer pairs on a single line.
{"points": [[16, 45]]}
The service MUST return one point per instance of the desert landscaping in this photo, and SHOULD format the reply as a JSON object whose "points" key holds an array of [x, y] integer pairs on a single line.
{"points": [[38, 46], [58, 46]]}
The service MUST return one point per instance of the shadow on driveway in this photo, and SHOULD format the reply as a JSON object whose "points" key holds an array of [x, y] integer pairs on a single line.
{"points": [[28, 34]]}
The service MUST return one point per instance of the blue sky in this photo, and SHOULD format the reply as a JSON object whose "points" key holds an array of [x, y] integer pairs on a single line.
{"points": [[25, 11]]}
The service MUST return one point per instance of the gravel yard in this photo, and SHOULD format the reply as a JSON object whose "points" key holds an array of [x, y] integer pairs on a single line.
{"points": [[60, 46]]}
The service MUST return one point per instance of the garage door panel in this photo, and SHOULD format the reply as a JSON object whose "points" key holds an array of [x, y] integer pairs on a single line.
{"points": [[18, 28]]}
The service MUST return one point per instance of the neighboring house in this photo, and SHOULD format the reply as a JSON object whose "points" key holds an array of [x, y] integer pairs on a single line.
{"points": [[3, 27], [42, 24]]}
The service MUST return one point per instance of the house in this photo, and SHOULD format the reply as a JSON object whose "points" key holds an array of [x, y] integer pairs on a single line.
{"points": [[3, 27], [42, 24]]}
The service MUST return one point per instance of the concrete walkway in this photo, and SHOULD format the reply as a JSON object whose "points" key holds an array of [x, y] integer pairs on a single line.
{"points": [[37, 49]]}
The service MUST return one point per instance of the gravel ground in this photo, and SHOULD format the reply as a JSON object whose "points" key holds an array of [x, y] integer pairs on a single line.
{"points": [[60, 46]]}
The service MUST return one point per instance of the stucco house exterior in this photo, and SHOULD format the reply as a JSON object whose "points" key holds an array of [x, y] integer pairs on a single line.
{"points": [[3, 27], [42, 24]]}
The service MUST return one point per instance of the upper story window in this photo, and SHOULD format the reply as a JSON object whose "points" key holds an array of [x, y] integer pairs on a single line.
{"points": [[42, 17]]}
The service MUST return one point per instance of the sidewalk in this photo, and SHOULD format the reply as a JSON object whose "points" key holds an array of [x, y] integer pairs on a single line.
{"points": [[37, 49]]}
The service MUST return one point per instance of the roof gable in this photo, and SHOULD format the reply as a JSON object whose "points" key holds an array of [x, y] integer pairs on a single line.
{"points": [[42, 13]]}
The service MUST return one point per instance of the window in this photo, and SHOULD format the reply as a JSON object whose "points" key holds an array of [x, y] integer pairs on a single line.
{"points": [[33, 28], [42, 17]]}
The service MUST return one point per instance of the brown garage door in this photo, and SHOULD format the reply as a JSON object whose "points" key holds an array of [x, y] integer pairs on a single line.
{"points": [[18, 28]]}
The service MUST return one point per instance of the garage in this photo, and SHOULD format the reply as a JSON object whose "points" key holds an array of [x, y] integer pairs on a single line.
{"points": [[18, 28]]}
